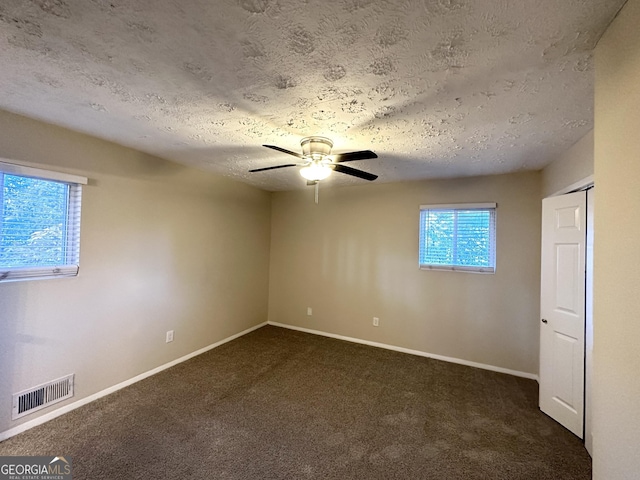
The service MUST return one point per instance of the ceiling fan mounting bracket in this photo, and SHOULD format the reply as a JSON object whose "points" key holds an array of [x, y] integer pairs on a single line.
{"points": [[316, 148]]}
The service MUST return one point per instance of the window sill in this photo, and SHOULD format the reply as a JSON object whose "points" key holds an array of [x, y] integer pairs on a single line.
{"points": [[37, 273], [450, 268]]}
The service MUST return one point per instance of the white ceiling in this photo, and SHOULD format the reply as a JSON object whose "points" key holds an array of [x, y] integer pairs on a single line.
{"points": [[437, 88]]}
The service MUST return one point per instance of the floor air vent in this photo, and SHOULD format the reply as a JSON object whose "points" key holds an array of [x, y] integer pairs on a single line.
{"points": [[36, 398]]}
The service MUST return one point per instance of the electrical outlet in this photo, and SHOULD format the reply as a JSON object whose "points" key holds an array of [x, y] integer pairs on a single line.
{"points": [[376, 321], [170, 336], [309, 311]]}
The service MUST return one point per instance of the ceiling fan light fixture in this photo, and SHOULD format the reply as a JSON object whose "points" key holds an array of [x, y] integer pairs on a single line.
{"points": [[316, 171], [317, 163]]}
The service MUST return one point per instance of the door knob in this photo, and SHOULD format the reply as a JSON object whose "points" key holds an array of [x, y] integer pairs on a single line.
{"points": [[544, 320]]}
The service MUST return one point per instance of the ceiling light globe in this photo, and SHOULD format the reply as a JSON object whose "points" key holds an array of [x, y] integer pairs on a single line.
{"points": [[315, 172]]}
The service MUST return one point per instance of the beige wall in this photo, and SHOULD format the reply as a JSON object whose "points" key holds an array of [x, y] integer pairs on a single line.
{"points": [[616, 387], [355, 256], [163, 247], [572, 166]]}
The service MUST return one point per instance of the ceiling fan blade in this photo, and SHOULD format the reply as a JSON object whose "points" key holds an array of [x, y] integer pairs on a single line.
{"points": [[355, 173], [351, 156], [273, 168], [299, 155]]}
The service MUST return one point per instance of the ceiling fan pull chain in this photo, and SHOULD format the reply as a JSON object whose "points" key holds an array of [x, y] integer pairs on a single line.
{"points": [[317, 189]]}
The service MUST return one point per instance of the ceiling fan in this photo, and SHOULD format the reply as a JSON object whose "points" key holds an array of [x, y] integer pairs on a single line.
{"points": [[317, 162]]}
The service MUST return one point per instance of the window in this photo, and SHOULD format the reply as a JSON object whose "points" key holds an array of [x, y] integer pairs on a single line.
{"points": [[460, 237], [39, 223]]}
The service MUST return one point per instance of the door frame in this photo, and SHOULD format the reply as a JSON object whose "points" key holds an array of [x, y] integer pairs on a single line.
{"points": [[582, 184], [588, 334]]}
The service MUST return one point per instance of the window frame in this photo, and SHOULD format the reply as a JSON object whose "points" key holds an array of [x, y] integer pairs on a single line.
{"points": [[72, 212], [488, 206]]}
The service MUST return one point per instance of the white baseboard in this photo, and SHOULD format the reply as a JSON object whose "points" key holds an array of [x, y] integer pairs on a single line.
{"points": [[103, 393], [459, 361]]}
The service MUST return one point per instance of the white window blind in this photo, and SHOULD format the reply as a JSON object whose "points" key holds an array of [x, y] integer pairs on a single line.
{"points": [[458, 237], [39, 223]]}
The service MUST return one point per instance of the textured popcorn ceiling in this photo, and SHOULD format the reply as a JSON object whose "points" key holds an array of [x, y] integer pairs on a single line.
{"points": [[437, 88]]}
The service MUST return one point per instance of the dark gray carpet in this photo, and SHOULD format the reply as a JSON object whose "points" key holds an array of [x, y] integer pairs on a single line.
{"points": [[283, 404]]}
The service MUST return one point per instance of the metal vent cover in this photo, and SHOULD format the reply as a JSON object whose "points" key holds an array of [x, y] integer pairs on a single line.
{"points": [[37, 398]]}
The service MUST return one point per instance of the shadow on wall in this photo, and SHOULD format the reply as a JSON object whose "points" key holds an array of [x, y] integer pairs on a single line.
{"points": [[88, 156]]}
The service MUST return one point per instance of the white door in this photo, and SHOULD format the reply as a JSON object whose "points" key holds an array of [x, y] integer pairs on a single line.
{"points": [[562, 309]]}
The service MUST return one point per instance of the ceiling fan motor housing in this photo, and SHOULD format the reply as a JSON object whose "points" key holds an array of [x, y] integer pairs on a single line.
{"points": [[316, 148]]}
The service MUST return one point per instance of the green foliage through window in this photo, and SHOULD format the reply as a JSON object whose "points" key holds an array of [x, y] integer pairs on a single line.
{"points": [[457, 238], [33, 222], [39, 225]]}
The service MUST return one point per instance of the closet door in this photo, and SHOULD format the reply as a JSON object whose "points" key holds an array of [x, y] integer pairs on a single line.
{"points": [[562, 310]]}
